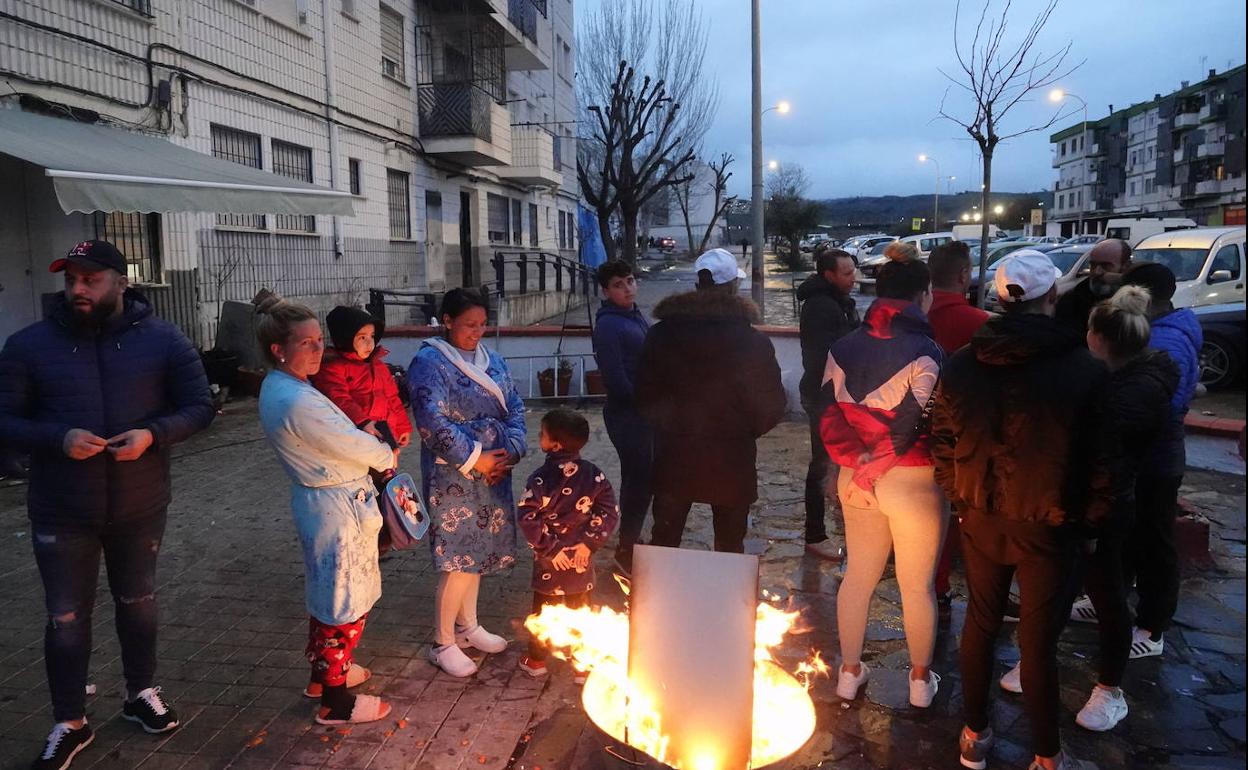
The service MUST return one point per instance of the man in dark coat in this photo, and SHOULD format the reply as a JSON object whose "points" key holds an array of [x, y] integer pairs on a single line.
{"points": [[828, 313], [1107, 261], [709, 383], [98, 394]]}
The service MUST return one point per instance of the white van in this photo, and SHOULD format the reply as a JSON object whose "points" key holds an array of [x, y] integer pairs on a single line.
{"points": [[927, 241], [1208, 263], [962, 232], [1135, 230]]}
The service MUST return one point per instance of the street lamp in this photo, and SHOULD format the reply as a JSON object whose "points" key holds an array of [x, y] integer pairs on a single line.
{"points": [[966, 217], [772, 165], [781, 107], [998, 209], [1056, 96], [756, 149], [936, 198]]}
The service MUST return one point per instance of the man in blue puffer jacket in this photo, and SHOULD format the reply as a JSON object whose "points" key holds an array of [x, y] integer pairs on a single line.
{"points": [[98, 393], [1151, 556]]}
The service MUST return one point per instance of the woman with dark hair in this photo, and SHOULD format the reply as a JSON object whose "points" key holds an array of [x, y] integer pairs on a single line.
{"points": [[879, 384], [334, 505], [470, 419]]}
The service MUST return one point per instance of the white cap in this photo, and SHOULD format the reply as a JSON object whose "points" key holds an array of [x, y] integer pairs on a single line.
{"points": [[721, 263], [1025, 275]]}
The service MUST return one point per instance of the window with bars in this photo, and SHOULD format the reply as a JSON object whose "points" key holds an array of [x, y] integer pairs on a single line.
{"points": [[135, 235], [517, 223], [533, 225], [498, 211], [293, 162], [563, 239], [392, 48], [353, 174], [397, 199], [243, 148]]}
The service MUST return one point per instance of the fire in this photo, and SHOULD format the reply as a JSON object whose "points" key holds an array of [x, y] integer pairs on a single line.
{"points": [[596, 641]]}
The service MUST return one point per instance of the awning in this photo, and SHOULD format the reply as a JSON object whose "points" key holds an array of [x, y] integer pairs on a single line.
{"points": [[98, 168]]}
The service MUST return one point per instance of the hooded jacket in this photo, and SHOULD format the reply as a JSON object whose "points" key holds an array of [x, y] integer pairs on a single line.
{"points": [[827, 315], [363, 388], [954, 320], [618, 336], [1014, 431], [1075, 306], [1179, 335], [138, 371], [709, 383], [880, 379]]}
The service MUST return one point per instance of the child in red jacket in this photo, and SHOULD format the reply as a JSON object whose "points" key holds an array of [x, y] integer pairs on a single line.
{"points": [[355, 377]]}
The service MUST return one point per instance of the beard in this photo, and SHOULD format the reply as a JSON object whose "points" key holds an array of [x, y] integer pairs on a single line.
{"points": [[92, 315], [1100, 288]]}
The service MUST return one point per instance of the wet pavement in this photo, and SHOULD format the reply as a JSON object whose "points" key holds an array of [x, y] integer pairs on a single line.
{"points": [[233, 629]]}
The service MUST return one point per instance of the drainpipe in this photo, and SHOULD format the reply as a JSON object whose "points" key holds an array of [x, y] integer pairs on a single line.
{"points": [[327, 38]]}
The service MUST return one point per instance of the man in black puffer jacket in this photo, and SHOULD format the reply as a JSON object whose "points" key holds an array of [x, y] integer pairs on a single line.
{"points": [[98, 394], [1013, 434]]}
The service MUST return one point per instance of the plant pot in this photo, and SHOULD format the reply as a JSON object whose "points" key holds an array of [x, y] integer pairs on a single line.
{"points": [[247, 382], [221, 366], [546, 383], [594, 384]]}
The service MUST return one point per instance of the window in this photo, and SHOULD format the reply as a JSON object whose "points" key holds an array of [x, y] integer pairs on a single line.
{"points": [[353, 175], [1080, 196], [1151, 151], [1132, 187], [1227, 259], [1148, 186], [397, 203], [293, 162], [135, 235], [138, 6], [243, 148], [566, 56], [563, 238], [533, 225], [558, 55], [517, 224], [392, 57], [1061, 201], [348, 7], [1134, 155], [1063, 149], [498, 212]]}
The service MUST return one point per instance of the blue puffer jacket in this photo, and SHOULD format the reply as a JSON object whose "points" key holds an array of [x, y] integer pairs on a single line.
{"points": [[618, 337], [1177, 333], [138, 372]]}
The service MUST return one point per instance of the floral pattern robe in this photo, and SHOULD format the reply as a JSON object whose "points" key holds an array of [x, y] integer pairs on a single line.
{"points": [[461, 410]]}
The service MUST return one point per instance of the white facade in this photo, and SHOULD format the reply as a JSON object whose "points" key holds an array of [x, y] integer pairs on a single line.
{"points": [[327, 86]]}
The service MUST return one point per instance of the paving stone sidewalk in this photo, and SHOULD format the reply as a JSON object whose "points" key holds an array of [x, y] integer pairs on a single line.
{"points": [[233, 630]]}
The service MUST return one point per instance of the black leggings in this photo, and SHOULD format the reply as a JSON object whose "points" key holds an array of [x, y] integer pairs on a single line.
{"points": [[1151, 558], [1107, 589]]}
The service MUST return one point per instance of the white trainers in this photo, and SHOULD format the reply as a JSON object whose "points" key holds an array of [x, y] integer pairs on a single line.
{"points": [[1013, 679], [847, 684], [923, 691], [452, 660], [1082, 611], [481, 639], [1143, 646], [1105, 709]]}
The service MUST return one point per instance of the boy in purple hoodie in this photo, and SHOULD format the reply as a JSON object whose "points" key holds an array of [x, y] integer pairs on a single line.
{"points": [[567, 512]]}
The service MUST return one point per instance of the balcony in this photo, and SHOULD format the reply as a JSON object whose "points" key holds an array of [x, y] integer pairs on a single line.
{"points": [[1212, 112], [532, 157], [518, 20], [461, 123], [1180, 156], [1185, 120], [1211, 150], [1095, 149], [1209, 187]]}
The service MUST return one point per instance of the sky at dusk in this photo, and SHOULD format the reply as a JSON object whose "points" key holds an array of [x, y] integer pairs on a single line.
{"points": [[864, 83]]}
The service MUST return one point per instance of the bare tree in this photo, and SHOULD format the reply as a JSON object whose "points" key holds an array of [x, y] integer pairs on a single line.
{"points": [[789, 213], [690, 196], [998, 75], [647, 106]]}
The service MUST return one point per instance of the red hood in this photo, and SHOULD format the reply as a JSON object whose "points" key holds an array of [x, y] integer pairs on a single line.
{"points": [[378, 353]]}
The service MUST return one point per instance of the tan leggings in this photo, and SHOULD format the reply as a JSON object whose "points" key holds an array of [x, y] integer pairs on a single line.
{"points": [[911, 518], [454, 602]]}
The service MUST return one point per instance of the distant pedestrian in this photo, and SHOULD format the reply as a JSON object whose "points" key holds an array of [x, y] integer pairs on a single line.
{"points": [[567, 513], [334, 504], [828, 313], [98, 393], [878, 388], [709, 383], [470, 418], [619, 334], [1107, 261], [1013, 433], [954, 321]]}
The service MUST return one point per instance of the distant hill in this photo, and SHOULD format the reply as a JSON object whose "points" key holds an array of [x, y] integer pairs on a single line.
{"points": [[892, 212]]}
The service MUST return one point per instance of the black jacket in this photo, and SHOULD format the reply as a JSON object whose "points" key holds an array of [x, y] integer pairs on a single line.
{"points": [[1075, 306], [1134, 412], [1014, 431], [709, 383], [827, 315], [138, 372]]}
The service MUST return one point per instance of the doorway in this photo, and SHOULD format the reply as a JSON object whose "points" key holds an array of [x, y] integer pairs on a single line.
{"points": [[465, 237]]}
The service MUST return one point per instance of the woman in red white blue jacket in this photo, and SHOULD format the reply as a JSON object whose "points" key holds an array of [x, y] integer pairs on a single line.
{"points": [[878, 385]]}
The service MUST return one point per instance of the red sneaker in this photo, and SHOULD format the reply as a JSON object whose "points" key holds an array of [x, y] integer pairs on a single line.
{"points": [[532, 666]]}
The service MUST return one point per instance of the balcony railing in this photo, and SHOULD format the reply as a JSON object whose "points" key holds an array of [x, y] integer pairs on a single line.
{"points": [[453, 109], [523, 13], [1212, 112], [1186, 119], [1211, 150]]}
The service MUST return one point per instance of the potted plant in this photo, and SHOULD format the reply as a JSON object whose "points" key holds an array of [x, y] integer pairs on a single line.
{"points": [[594, 385], [547, 380]]}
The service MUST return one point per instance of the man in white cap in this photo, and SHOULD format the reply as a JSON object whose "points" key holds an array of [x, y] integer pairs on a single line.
{"points": [[1012, 431], [709, 383]]}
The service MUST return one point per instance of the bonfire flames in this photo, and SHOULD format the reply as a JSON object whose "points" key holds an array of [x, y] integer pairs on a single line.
{"points": [[596, 641]]}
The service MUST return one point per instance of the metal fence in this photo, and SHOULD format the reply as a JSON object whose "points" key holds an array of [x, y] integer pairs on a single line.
{"points": [[521, 272], [537, 379]]}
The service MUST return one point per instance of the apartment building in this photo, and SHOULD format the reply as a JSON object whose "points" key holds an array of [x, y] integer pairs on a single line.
{"points": [[1178, 155], [318, 148]]}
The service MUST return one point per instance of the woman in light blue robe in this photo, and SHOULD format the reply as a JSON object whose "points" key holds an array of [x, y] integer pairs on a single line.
{"points": [[470, 419], [334, 504]]}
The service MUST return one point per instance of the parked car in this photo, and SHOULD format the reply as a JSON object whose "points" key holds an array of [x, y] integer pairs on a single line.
{"points": [[1086, 238], [1222, 355], [996, 252], [869, 266], [1135, 230], [927, 241], [1044, 239], [1208, 263], [665, 243], [1071, 260], [852, 245], [871, 243]]}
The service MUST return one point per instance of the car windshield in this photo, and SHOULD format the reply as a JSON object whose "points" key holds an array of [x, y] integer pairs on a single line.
{"points": [[878, 248], [1065, 259], [998, 253], [1184, 263]]}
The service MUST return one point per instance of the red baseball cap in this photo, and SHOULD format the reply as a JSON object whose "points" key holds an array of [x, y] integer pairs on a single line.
{"points": [[93, 256]]}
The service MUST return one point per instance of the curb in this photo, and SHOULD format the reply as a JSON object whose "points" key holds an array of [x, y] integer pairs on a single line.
{"points": [[1213, 426]]}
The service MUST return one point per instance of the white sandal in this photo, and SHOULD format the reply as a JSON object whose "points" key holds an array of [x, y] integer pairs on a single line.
{"points": [[367, 708]]}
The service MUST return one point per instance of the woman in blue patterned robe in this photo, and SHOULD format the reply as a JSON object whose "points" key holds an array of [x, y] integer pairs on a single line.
{"points": [[470, 419]]}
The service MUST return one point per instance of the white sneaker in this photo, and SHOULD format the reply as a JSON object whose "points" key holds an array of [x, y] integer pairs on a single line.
{"points": [[1082, 611], [481, 639], [1143, 646], [923, 691], [1013, 679], [847, 684], [452, 660], [1104, 709]]}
